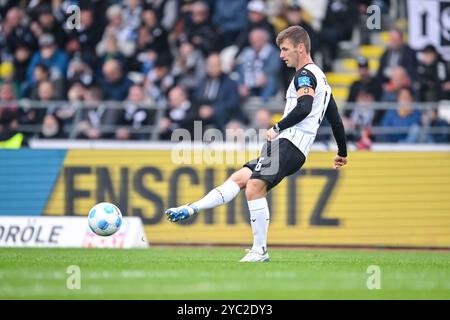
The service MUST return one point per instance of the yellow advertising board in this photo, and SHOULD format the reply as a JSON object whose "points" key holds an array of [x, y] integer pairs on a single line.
{"points": [[379, 199]]}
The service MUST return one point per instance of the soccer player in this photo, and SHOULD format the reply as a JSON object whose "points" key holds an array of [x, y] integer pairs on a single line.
{"points": [[308, 101]]}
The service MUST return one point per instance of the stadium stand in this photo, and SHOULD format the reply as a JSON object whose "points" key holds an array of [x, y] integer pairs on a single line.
{"points": [[110, 77]]}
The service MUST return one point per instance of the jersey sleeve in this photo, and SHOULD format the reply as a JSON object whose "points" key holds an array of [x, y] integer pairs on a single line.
{"points": [[333, 117], [305, 78]]}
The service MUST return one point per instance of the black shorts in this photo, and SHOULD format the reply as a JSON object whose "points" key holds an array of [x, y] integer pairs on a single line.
{"points": [[278, 159]]}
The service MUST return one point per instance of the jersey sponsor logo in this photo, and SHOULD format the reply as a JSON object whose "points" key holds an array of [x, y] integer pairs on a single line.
{"points": [[304, 81]]}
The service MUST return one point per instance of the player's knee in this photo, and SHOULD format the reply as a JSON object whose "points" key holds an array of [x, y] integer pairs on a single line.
{"points": [[255, 189], [241, 178]]}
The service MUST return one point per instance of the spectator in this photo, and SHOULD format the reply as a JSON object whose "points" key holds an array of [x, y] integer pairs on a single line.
{"points": [[235, 132], [257, 17], [50, 56], [45, 93], [73, 46], [199, 30], [40, 73], [432, 74], [259, 67], [111, 50], [180, 114], [230, 17], [399, 79], [131, 14], [114, 84], [145, 61], [159, 81], [397, 54], [404, 118], [365, 82], [47, 24], [51, 128], [263, 119], [262, 122], [364, 31], [10, 138], [340, 19], [189, 67], [7, 97], [358, 122], [97, 120], [65, 114], [218, 96], [152, 42], [156, 37], [22, 57], [436, 129], [166, 11], [88, 35], [7, 27], [98, 9], [79, 71], [116, 31], [134, 116], [13, 32]]}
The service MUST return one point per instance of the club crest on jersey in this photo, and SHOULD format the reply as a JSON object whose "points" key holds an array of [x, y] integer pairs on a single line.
{"points": [[304, 81]]}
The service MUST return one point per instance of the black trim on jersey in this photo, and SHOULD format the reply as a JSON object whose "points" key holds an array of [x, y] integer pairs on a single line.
{"points": [[333, 117], [300, 112], [305, 78]]}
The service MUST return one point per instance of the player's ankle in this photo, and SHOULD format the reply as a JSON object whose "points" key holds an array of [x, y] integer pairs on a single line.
{"points": [[259, 249], [194, 208]]}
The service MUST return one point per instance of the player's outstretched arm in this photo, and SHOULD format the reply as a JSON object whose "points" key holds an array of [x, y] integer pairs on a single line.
{"points": [[333, 117]]}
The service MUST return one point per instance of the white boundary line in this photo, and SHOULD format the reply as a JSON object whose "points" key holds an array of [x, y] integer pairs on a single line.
{"points": [[146, 145]]}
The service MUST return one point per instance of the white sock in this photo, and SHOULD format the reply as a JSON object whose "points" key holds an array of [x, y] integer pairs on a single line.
{"points": [[218, 196], [259, 217]]}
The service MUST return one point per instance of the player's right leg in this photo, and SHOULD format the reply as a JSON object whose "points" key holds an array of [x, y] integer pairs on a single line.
{"points": [[216, 197]]}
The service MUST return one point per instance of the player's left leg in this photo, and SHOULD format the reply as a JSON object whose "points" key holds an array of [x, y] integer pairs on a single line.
{"points": [[216, 197]]}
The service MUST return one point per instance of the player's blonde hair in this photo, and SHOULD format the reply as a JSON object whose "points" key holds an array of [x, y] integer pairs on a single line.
{"points": [[295, 35]]}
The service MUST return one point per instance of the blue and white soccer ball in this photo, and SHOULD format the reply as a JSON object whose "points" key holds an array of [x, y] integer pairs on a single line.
{"points": [[105, 219]]}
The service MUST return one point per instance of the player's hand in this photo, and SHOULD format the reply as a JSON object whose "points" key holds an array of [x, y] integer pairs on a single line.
{"points": [[271, 134], [339, 162]]}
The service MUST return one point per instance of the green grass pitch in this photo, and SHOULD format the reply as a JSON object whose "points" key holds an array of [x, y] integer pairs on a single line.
{"points": [[214, 273]]}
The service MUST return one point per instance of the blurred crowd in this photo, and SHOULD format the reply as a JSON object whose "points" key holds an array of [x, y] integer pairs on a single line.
{"points": [[405, 78], [198, 60]]}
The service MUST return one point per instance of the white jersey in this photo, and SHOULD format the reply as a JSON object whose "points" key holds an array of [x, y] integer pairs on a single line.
{"points": [[302, 134]]}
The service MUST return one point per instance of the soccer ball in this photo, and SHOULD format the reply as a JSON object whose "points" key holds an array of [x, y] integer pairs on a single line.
{"points": [[105, 219]]}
